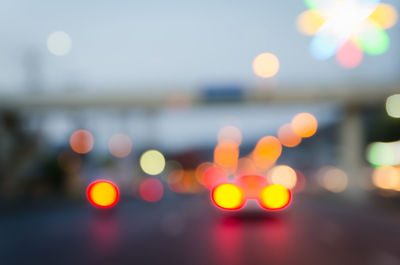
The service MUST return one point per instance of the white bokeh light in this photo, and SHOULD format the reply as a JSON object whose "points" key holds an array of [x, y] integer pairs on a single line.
{"points": [[59, 43]]}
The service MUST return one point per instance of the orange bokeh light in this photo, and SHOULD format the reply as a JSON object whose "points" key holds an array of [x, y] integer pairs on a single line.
{"points": [[304, 124], [120, 145], [252, 185], [183, 181], [102, 193], [261, 163], [81, 141], [386, 177], [266, 65], [151, 190], [190, 183], [288, 137], [226, 154], [268, 148]]}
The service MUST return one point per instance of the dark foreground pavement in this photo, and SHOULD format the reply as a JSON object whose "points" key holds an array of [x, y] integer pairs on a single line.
{"points": [[187, 230]]}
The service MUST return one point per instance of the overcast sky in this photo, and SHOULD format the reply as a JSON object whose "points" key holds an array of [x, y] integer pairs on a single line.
{"points": [[169, 43]]}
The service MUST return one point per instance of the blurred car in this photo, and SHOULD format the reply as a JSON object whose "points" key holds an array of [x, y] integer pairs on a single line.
{"points": [[248, 188]]}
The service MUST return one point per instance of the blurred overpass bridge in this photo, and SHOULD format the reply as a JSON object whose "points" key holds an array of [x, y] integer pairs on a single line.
{"points": [[152, 100]]}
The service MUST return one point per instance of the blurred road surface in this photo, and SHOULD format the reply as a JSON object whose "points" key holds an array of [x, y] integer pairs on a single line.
{"points": [[188, 230]]}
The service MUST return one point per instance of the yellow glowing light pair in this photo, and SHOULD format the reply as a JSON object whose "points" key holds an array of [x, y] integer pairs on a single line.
{"points": [[232, 197]]}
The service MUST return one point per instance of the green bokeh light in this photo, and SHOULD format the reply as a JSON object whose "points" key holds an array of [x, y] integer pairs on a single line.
{"points": [[311, 4], [381, 154], [374, 41]]}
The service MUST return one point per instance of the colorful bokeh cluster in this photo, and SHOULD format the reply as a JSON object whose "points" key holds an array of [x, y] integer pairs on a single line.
{"points": [[233, 180], [347, 29]]}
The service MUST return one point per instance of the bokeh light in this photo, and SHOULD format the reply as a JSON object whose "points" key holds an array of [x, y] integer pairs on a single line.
{"points": [[81, 141], [287, 136], [383, 154], [283, 175], [230, 134], [393, 106], [190, 183], [183, 181], [59, 43], [170, 167], [201, 169], [174, 179], [304, 124], [266, 65], [384, 15], [332, 179], [347, 28], [300, 183], [323, 47], [315, 4], [151, 190], [386, 178], [120, 145], [275, 197], [226, 154], [251, 185], [228, 196], [261, 163], [152, 162], [309, 22], [266, 152], [214, 176], [102, 193], [245, 166], [349, 54], [373, 39], [268, 148]]}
